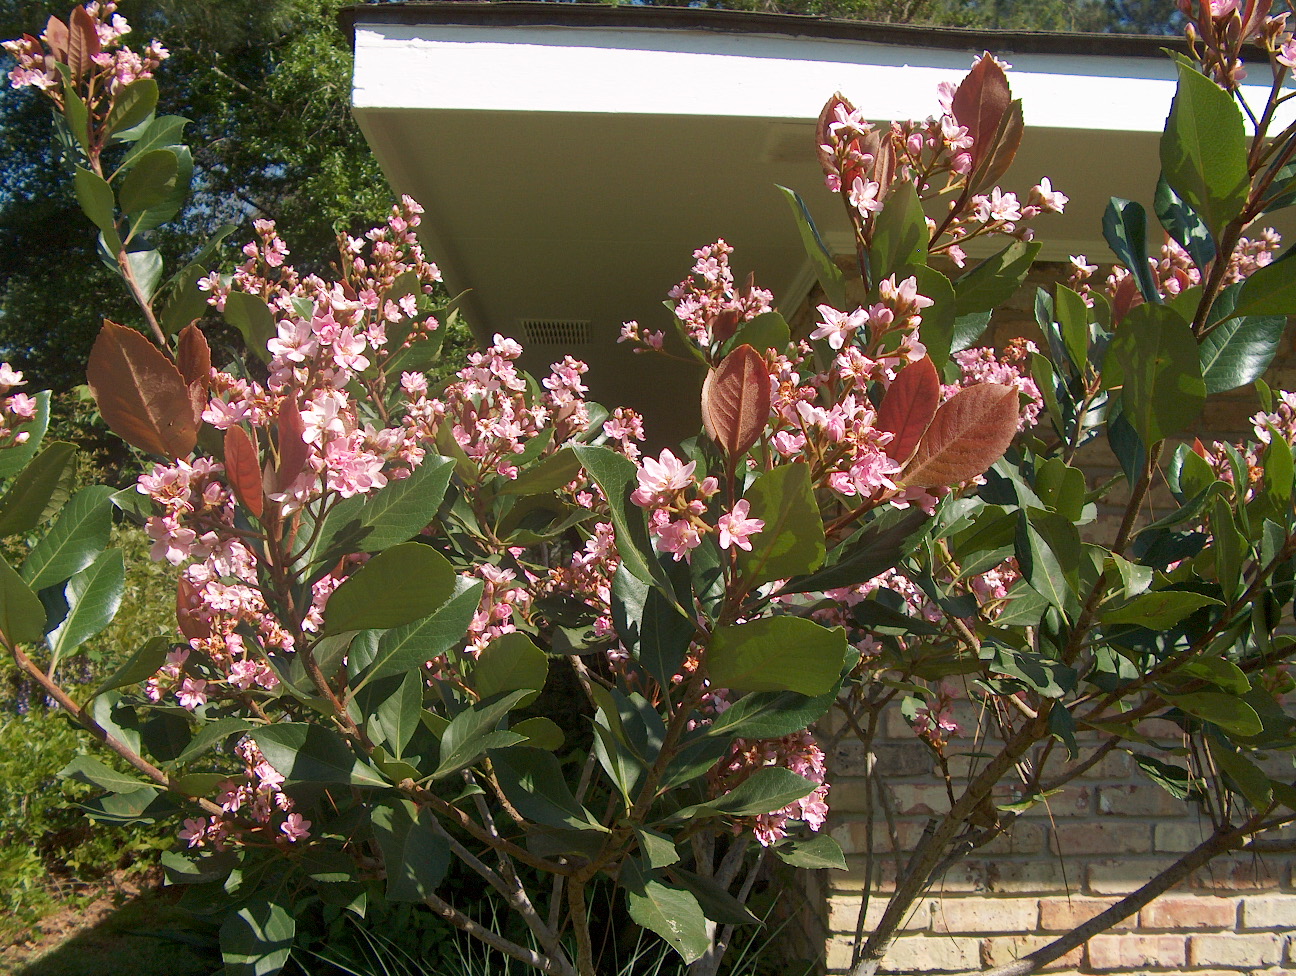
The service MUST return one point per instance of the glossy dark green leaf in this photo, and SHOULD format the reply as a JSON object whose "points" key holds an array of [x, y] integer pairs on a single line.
{"points": [[1125, 229], [792, 541], [1230, 713], [776, 654], [415, 855], [254, 320], [212, 733], [1041, 565], [820, 851], [650, 626], [99, 203], [533, 781], [1156, 357], [1073, 320], [900, 235], [831, 278], [399, 714], [1271, 290], [1244, 775], [1236, 352], [402, 509], [510, 662], [1184, 225], [87, 769], [996, 279], [1222, 673], [14, 459], [306, 753], [718, 905], [1159, 609], [968, 329], [150, 182], [937, 328], [257, 939], [769, 330], [141, 665], [879, 547], [473, 731], [398, 586], [548, 475], [93, 596], [146, 268], [541, 733], [78, 536], [672, 913], [1204, 149], [771, 714], [133, 104], [163, 131], [767, 789], [413, 645], [38, 491]]}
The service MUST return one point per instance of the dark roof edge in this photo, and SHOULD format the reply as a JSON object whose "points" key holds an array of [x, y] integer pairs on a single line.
{"points": [[527, 13]]}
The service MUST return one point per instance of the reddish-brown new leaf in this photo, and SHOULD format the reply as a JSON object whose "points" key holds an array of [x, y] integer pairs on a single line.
{"points": [[189, 611], [56, 38], [243, 469], [193, 356], [736, 400], [908, 408], [1002, 151], [293, 451], [823, 136], [140, 393], [980, 102], [82, 42], [970, 432]]}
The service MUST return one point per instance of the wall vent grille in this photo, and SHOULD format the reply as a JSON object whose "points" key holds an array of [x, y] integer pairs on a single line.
{"points": [[555, 332]]}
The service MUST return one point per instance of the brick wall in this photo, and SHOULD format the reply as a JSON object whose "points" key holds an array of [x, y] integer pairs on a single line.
{"points": [[1103, 836]]}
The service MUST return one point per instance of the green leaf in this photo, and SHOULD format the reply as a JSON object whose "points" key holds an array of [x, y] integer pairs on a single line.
{"points": [[792, 541], [257, 939], [937, 327], [211, 734], [545, 476], [650, 626], [163, 131], [1271, 290], [1222, 673], [98, 203], [900, 235], [1184, 225], [1159, 609], [1125, 229], [76, 538], [672, 913], [820, 851], [150, 182], [133, 104], [1040, 565], [968, 329], [510, 662], [14, 459], [412, 646], [399, 714], [146, 268], [38, 490], [771, 714], [306, 753], [769, 330], [658, 850], [831, 278], [1279, 473], [878, 547], [395, 587], [617, 476], [1204, 149], [93, 596], [415, 855], [1238, 351], [995, 280], [532, 780], [254, 320], [143, 664], [472, 732], [1228, 712], [1073, 319], [1156, 358], [541, 733], [1245, 775], [1227, 546], [718, 905], [767, 789], [85, 769], [170, 204], [1175, 780], [402, 509], [776, 654]]}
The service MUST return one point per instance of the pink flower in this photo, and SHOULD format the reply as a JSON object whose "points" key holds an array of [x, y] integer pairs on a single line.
{"points": [[192, 693], [295, 828], [679, 538], [736, 528], [837, 326], [668, 473], [194, 831]]}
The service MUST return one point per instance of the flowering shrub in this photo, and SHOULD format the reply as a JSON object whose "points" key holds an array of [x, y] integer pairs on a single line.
{"points": [[377, 577]]}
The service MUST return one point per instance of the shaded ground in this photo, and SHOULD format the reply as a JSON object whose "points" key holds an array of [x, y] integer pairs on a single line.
{"points": [[124, 932]]}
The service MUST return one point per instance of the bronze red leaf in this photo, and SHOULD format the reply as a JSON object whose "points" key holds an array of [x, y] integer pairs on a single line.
{"points": [[908, 407], [189, 611], [970, 432], [193, 356], [56, 38], [736, 401], [982, 98], [82, 42], [243, 469], [141, 395], [293, 450]]}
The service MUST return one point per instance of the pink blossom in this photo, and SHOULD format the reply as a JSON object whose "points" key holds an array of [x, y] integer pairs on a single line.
{"points": [[192, 693], [295, 828], [837, 326], [194, 831], [667, 473], [680, 538], [736, 528]]}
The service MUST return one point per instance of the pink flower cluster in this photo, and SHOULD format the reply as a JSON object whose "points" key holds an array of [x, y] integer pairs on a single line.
{"points": [[117, 64], [16, 409], [799, 753], [253, 808], [708, 303]]}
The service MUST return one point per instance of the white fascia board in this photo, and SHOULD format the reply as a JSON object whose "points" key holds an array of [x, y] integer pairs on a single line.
{"points": [[709, 73]]}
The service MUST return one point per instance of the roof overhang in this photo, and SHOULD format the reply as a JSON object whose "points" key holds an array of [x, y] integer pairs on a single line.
{"points": [[571, 156]]}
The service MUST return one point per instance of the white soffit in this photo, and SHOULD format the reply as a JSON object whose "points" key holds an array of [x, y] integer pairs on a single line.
{"points": [[681, 72]]}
